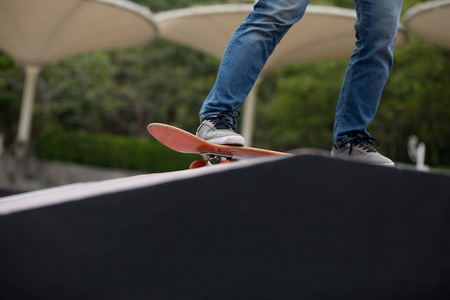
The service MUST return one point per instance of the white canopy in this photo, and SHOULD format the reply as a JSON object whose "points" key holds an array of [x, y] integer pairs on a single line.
{"points": [[431, 22], [40, 32], [324, 32]]}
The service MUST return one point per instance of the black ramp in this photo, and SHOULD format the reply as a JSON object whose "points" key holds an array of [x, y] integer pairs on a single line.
{"points": [[4, 192], [303, 227]]}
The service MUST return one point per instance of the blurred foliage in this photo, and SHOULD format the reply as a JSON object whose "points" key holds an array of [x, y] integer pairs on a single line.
{"points": [[121, 92], [163, 5], [118, 93], [110, 151], [297, 106], [416, 100], [10, 96]]}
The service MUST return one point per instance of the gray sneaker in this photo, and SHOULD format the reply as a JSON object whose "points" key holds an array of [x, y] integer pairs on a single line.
{"points": [[359, 149], [219, 130]]}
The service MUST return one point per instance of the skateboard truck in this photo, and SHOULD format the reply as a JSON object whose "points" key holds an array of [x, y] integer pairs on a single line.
{"points": [[215, 159]]}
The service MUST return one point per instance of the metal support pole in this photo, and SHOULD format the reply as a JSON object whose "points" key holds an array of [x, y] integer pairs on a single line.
{"points": [[26, 111], [248, 122]]}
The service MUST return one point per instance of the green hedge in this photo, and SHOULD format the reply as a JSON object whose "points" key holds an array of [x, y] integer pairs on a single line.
{"points": [[110, 151]]}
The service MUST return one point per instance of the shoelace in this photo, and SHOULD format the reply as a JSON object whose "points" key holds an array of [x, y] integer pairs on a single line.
{"points": [[221, 121], [364, 142]]}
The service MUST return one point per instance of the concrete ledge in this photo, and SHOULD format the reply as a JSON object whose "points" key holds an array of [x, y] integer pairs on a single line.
{"points": [[33, 174]]}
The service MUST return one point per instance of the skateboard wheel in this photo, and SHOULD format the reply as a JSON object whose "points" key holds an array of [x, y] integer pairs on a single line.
{"points": [[197, 164]]}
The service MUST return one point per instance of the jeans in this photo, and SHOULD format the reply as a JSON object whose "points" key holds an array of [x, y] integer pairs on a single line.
{"points": [[366, 76]]}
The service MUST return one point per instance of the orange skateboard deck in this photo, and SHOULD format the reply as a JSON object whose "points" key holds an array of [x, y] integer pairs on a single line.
{"points": [[185, 142]]}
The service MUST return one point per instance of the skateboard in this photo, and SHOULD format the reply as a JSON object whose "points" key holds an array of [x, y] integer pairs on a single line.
{"points": [[184, 142]]}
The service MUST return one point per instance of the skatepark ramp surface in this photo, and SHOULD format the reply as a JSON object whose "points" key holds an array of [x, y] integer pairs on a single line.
{"points": [[300, 227]]}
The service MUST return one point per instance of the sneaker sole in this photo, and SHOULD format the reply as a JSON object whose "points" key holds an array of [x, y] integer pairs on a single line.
{"points": [[232, 140], [386, 164]]}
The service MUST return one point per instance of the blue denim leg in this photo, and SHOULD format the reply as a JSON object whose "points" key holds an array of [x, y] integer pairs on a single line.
{"points": [[248, 51], [369, 66]]}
